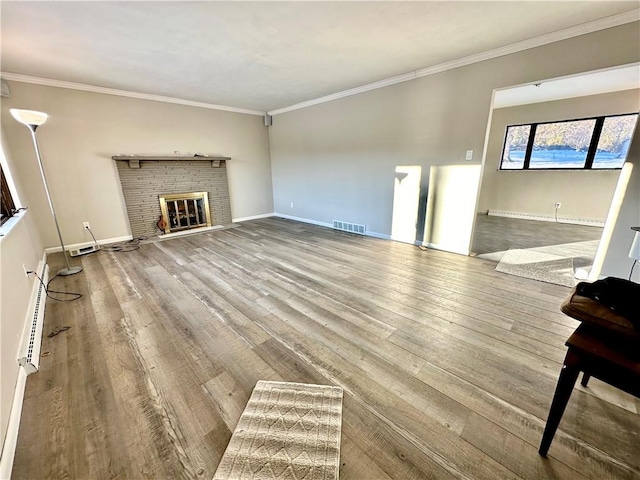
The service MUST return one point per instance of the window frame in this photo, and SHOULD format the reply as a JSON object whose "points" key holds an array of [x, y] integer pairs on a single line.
{"points": [[591, 152], [7, 205]]}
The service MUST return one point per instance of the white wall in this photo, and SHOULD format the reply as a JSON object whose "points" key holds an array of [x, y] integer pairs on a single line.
{"points": [[453, 190], [583, 194], [616, 261], [22, 245], [337, 160], [85, 129]]}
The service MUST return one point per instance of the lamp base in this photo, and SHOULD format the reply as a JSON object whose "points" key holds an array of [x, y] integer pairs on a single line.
{"points": [[69, 271]]}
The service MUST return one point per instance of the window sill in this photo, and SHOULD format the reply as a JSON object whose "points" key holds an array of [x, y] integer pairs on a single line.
{"points": [[7, 226]]}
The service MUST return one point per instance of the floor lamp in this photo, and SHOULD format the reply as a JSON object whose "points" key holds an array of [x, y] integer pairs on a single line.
{"points": [[33, 120]]}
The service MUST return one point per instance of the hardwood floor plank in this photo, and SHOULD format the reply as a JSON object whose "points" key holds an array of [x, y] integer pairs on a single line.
{"points": [[575, 453], [448, 367], [512, 452], [229, 397]]}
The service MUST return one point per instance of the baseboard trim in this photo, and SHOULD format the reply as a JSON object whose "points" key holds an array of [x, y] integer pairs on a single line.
{"points": [[105, 241], [382, 236], [11, 439], [252, 217], [304, 220], [547, 218]]}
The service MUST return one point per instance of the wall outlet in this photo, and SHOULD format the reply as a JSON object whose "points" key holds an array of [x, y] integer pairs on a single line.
{"points": [[558, 205], [291, 204], [469, 155], [86, 225], [26, 270]]}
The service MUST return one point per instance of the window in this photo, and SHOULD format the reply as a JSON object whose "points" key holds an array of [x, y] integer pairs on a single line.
{"points": [[588, 143], [8, 207]]}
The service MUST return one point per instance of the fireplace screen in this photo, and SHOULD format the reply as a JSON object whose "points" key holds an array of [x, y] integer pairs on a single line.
{"points": [[181, 211]]}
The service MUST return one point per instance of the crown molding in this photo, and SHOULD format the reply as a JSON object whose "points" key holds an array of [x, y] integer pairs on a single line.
{"points": [[16, 77], [347, 93], [564, 34]]}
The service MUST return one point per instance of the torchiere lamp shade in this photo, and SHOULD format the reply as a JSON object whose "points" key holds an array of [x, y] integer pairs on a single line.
{"points": [[29, 117]]}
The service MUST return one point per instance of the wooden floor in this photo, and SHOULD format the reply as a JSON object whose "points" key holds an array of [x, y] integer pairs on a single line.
{"points": [[448, 367], [495, 234]]}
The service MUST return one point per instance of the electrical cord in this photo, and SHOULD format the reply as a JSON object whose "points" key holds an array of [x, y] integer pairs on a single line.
{"points": [[632, 267], [49, 291], [555, 216], [128, 246]]}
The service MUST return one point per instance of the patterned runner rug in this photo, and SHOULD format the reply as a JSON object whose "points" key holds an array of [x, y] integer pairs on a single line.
{"points": [[287, 431]]}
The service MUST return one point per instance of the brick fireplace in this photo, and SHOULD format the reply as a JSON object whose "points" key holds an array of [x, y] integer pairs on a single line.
{"points": [[145, 179]]}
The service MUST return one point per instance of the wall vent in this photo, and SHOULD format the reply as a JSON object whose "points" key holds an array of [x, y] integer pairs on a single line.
{"points": [[30, 355], [349, 227]]}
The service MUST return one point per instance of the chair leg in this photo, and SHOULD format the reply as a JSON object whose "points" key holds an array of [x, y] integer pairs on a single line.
{"points": [[566, 382], [585, 379]]}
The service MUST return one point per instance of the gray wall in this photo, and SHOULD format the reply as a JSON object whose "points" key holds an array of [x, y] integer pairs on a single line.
{"points": [[337, 160], [85, 129], [583, 194]]}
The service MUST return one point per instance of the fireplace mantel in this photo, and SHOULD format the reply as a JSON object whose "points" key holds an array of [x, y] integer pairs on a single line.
{"points": [[134, 160]]}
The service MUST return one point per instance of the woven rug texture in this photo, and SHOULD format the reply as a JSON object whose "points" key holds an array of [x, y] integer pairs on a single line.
{"points": [[539, 266], [287, 431]]}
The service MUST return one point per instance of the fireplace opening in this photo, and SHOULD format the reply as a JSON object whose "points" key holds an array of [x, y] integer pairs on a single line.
{"points": [[183, 211]]}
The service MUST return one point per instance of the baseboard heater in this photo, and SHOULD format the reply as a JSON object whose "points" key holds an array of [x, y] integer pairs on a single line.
{"points": [[547, 218], [76, 252], [30, 353], [349, 227]]}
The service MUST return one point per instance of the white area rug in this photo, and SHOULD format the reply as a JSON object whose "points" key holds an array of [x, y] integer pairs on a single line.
{"points": [[565, 264], [540, 266], [287, 431], [565, 250]]}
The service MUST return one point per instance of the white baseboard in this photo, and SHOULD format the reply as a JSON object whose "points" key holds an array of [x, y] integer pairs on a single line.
{"points": [[11, 439], [105, 241], [304, 220], [252, 217], [548, 218], [383, 236]]}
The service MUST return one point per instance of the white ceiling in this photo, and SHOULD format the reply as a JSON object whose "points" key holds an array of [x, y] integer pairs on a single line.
{"points": [[265, 55], [592, 83]]}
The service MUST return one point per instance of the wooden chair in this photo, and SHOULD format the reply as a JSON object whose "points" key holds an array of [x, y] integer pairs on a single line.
{"points": [[606, 346]]}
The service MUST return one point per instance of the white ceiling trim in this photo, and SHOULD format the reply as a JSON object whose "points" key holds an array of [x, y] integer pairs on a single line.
{"points": [[16, 77], [590, 27], [347, 93]]}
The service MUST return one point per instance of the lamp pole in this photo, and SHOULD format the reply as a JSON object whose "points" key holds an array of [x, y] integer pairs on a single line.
{"points": [[32, 120]]}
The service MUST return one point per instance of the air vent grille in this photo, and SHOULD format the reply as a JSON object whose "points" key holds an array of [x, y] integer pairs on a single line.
{"points": [[349, 227]]}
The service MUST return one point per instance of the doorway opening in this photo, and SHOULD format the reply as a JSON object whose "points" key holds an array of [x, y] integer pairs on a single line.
{"points": [[552, 224]]}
